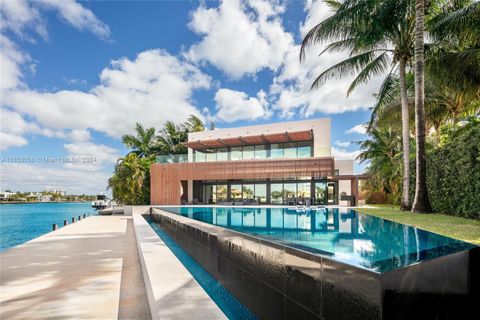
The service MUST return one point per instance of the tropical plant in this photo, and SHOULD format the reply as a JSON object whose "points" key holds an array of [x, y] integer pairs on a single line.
{"points": [[379, 37], [383, 151], [130, 182], [144, 144], [421, 202]]}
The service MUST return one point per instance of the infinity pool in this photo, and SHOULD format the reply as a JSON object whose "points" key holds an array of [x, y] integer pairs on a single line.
{"points": [[342, 234]]}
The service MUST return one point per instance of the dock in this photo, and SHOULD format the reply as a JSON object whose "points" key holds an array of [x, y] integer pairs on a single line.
{"points": [[86, 270]]}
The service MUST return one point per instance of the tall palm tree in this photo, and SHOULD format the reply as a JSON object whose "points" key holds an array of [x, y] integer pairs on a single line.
{"points": [[421, 202], [379, 36], [144, 143]]}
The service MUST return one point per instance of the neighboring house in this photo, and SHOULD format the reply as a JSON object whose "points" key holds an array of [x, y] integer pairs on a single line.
{"points": [[5, 195], [285, 163]]}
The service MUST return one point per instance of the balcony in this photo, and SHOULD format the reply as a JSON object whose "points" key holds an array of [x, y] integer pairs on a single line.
{"points": [[172, 158]]}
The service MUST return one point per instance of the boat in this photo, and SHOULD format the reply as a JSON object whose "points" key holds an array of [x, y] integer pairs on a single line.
{"points": [[101, 202]]}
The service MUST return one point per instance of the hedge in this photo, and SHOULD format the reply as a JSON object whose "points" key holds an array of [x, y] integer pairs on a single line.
{"points": [[453, 174]]}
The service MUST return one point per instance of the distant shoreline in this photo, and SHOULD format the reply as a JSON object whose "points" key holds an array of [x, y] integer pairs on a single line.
{"points": [[35, 202]]}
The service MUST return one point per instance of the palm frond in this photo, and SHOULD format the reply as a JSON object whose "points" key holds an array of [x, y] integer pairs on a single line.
{"points": [[344, 68], [376, 67]]}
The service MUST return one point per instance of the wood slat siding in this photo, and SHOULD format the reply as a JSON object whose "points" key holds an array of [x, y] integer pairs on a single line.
{"points": [[165, 184]]}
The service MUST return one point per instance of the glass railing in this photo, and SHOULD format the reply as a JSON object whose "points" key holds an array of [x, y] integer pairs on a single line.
{"points": [[172, 158]]}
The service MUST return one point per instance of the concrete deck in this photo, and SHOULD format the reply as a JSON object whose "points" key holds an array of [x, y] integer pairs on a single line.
{"points": [[87, 270]]}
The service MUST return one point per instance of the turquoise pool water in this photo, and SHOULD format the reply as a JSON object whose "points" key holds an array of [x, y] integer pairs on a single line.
{"points": [[20, 223], [341, 234], [230, 306]]}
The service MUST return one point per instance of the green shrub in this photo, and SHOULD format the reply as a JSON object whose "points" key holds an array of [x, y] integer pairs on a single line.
{"points": [[453, 173]]}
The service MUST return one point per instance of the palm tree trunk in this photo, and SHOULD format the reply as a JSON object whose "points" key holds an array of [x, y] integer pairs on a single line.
{"points": [[421, 203], [405, 204]]}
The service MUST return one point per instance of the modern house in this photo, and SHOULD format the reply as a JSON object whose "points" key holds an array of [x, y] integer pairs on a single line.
{"points": [[286, 163]]}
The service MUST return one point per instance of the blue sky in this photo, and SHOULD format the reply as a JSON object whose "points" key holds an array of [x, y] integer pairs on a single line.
{"points": [[77, 75]]}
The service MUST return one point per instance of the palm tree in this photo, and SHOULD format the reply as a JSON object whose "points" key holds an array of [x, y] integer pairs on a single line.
{"points": [[379, 36], [130, 183], [172, 135], [144, 143], [421, 202], [193, 124], [171, 138], [453, 58], [383, 150]]}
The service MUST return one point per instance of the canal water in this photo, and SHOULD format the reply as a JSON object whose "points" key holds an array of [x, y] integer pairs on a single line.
{"points": [[20, 223]]}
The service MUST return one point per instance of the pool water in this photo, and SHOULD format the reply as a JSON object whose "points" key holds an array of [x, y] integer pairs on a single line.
{"points": [[230, 306], [342, 234]]}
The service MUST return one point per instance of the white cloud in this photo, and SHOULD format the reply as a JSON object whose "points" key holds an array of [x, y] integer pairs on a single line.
{"points": [[89, 156], [8, 140], [359, 129], [11, 61], [78, 16], [342, 144], [153, 88], [19, 15], [343, 154], [240, 37], [232, 105], [35, 177], [291, 86], [14, 126]]}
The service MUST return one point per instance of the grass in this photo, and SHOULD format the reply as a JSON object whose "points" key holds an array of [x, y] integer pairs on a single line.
{"points": [[455, 227]]}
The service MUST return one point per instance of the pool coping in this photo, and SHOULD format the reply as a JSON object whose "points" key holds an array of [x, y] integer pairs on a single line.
{"points": [[166, 279]]}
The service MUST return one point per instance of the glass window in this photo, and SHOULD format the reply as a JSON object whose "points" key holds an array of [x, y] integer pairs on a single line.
{"points": [[261, 192], [248, 152], [210, 193], [211, 155], [236, 191], [221, 192], [290, 150], [236, 153], [304, 189], [276, 151], [222, 154], [276, 193], [247, 190], [260, 151], [289, 191], [304, 149], [320, 192], [199, 156]]}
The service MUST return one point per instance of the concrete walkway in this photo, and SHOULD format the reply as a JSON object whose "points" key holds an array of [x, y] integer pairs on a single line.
{"points": [[87, 270]]}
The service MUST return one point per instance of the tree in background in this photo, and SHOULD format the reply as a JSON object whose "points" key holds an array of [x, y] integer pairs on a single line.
{"points": [[421, 202], [130, 182], [383, 151], [379, 37]]}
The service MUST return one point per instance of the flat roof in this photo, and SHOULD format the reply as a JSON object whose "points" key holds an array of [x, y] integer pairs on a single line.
{"points": [[292, 136]]}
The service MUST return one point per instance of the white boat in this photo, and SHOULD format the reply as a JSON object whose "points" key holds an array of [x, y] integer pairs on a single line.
{"points": [[101, 202]]}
